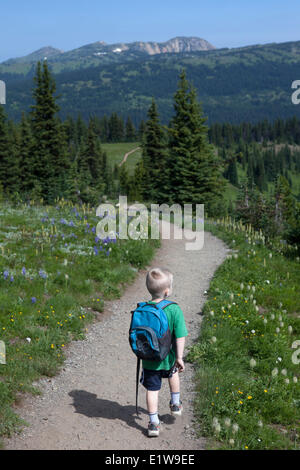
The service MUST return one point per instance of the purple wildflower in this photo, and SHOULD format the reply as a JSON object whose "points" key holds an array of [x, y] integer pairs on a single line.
{"points": [[23, 271], [6, 274], [33, 300], [42, 274]]}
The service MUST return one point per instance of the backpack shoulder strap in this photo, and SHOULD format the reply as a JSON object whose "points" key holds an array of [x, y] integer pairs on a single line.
{"points": [[166, 303]]}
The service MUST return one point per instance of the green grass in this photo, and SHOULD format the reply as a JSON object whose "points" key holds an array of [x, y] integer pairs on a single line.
{"points": [[116, 151], [248, 393], [53, 283]]}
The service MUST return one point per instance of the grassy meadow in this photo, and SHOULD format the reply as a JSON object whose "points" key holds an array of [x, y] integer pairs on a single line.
{"points": [[55, 274], [247, 356], [116, 151]]}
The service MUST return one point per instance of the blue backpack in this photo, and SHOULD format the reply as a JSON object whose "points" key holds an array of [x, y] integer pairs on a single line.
{"points": [[149, 334]]}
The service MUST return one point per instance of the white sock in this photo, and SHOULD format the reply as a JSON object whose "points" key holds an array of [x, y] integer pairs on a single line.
{"points": [[175, 398], [154, 418]]}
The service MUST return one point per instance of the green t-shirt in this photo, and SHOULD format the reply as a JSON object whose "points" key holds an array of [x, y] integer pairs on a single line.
{"points": [[178, 330]]}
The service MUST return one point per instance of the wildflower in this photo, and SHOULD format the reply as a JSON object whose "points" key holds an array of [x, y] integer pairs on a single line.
{"points": [[260, 424], [290, 329], [33, 300], [6, 274], [227, 422], [28, 340], [217, 428], [295, 380], [287, 381], [11, 278], [274, 372], [235, 428], [23, 271], [284, 372], [252, 363], [249, 397], [277, 330], [42, 274], [213, 339], [231, 442], [215, 421], [265, 390]]}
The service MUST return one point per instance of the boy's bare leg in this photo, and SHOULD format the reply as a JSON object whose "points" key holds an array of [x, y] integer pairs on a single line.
{"points": [[174, 383], [152, 401]]}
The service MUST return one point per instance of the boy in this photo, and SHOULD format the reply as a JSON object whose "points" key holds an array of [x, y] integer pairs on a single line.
{"points": [[159, 284]]}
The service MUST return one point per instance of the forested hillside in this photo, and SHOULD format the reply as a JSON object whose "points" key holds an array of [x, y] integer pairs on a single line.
{"points": [[242, 84]]}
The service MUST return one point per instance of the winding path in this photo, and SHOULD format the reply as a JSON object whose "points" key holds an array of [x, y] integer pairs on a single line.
{"points": [[90, 404], [127, 155]]}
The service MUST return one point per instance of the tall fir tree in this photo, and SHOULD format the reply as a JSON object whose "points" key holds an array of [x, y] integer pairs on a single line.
{"points": [[154, 157], [51, 161], [194, 167]]}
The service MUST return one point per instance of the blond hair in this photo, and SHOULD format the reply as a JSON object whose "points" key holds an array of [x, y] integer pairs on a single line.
{"points": [[158, 280]]}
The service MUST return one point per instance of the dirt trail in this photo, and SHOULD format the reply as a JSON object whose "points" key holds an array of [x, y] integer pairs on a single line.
{"points": [[90, 404], [127, 155]]}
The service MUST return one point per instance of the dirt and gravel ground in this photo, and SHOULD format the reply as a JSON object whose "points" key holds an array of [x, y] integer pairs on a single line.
{"points": [[90, 404]]}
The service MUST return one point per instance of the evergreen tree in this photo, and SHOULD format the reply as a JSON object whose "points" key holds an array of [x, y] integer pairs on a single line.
{"points": [[130, 132], [51, 162], [26, 158], [154, 158], [195, 169]]}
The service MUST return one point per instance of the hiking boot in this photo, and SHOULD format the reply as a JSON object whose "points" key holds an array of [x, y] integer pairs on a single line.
{"points": [[153, 430], [176, 410]]}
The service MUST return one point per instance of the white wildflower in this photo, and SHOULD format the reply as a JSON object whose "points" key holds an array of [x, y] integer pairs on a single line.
{"points": [[28, 340], [290, 329], [274, 372], [213, 339], [217, 428], [252, 363], [227, 422], [260, 423], [284, 372], [231, 442], [295, 379], [235, 428], [287, 381]]}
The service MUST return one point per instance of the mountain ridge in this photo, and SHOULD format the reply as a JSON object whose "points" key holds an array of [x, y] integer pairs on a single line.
{"points": [[175, 45]]}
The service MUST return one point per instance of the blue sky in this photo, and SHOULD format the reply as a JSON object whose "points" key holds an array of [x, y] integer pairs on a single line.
{"points": [[25, 26]]}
